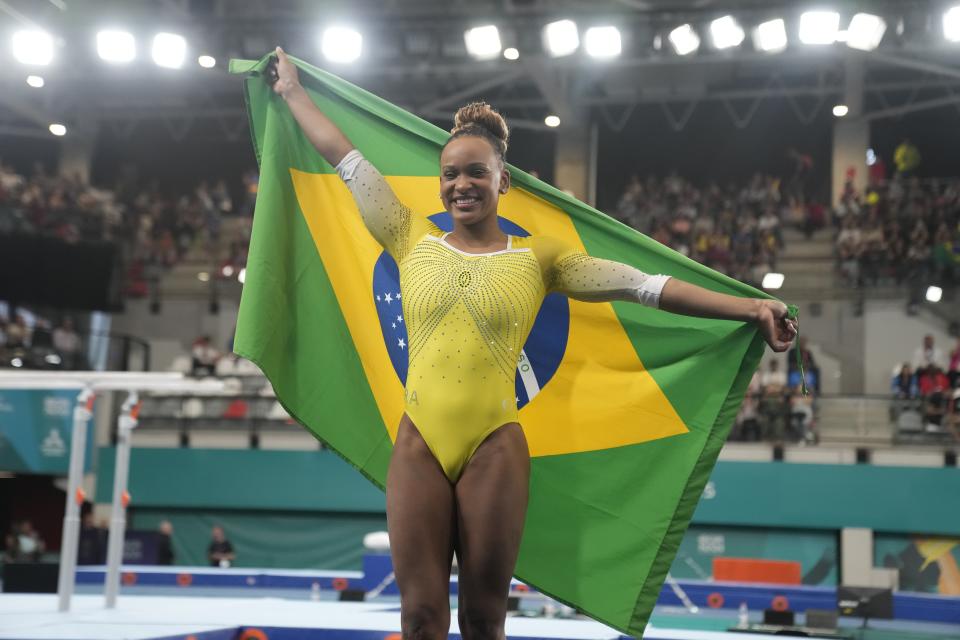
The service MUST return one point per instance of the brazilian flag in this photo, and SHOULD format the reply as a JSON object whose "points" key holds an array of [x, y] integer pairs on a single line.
{"points": [[624, 407]]}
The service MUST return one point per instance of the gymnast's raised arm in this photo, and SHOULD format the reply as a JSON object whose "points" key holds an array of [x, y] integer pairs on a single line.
{"points": [[332, 144], [385, 217]]}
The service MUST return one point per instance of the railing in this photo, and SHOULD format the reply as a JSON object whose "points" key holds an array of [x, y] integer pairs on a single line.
{"points": [[247, 406], [862, 420]]}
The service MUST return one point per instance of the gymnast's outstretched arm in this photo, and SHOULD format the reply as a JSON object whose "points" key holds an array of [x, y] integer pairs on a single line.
{"points": [[584, 277]]}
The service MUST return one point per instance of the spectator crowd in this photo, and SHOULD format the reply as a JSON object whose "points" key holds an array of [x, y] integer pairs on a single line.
{"points": [[927, 389], [775, 407], [900, 231], [735, 229], [32, 341], [154, 228]]}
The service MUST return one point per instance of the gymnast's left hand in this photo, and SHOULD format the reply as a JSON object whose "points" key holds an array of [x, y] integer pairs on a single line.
{"points": [[776, 328]]}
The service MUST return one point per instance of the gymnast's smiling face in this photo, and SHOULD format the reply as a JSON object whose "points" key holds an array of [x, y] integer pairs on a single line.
{"points": [[472, 179]]}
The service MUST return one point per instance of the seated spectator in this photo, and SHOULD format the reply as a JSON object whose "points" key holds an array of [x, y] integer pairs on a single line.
{"points": [[935, 391], [815, 219], [802, 416], [774, 380], [24, 544], [220, 552], [747, 422], [927, 354], [953, 414], [904, 384], [874, 249], [773, 406], [953, 369], [811, 371], [849, 249], [18, 333], [204, 357], [66, 341]]}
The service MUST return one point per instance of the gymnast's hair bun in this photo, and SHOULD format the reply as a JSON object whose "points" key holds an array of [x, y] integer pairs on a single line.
{"points": [[481, 114]]}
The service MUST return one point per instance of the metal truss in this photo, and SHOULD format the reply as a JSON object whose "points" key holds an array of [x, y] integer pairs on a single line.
{"points": [[905, 77]]}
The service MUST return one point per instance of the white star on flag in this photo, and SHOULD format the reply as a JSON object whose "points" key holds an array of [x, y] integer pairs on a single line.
{"points": [[399, 319], [393, 325], [397, 296], [378, 298], [401, 343], [388, 298]]}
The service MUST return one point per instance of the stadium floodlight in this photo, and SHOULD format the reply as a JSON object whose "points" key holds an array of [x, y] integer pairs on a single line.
{"points": [[561, 38], [341, 44], [552, 121], [684, 40], [169, 50], [934, 294], [116, 46], [35, 81], [602, 42], [951, 24], [840, 110], [58, 129], [207, 62], [772, 280], [33, 47], [511, 53], [726, 32], [483, 42], [770, 36], [865, 31], [819, 27]]}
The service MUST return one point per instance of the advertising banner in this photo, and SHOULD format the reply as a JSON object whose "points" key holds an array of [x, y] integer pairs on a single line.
{"points": [[35, 431]]}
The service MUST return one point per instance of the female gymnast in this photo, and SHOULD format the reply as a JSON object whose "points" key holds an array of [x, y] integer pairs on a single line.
{"points": [[459, 473]]}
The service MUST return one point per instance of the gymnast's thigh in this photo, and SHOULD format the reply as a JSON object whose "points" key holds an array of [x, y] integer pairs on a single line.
{"points": [[491, 498], [420, 517]]}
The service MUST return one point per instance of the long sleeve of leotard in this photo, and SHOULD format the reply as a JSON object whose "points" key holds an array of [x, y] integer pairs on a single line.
{"points": [[385, 217], [583, 277]]}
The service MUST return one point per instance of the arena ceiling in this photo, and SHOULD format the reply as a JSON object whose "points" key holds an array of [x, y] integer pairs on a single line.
{"points": [[414, 55]]}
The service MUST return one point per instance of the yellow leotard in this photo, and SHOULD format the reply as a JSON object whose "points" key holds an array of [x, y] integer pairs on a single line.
{"points": [[468, 315]]}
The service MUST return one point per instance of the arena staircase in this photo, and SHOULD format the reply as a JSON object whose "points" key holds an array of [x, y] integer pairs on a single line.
{"points": [[182, 281], [809, 268], [862, 421]]}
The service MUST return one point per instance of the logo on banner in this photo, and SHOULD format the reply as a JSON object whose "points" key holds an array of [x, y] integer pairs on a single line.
{"points": [[53, 445], [56, 407], [541, 354]]}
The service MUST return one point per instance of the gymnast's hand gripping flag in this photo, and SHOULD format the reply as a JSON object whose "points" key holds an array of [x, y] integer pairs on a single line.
{"points": [[624, 407]]}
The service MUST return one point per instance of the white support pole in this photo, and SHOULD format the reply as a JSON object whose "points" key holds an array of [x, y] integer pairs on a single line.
{"points": [[118, 515], [82, 413], [89, 382]]}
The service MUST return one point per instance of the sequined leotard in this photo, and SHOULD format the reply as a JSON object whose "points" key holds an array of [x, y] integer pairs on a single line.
{"points": [[468, 315]]}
